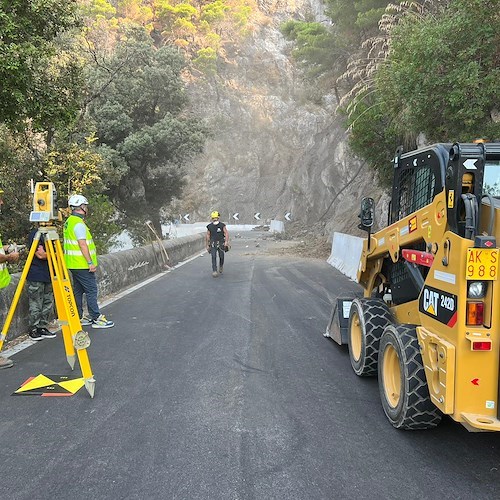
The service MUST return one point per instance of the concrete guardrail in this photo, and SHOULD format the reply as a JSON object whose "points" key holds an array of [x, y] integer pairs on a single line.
{"points": [[116, 271]]}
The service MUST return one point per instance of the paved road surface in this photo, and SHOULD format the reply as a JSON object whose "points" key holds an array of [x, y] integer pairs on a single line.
{"points": [[226, 389]]}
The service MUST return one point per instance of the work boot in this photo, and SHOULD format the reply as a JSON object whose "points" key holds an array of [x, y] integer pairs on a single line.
{"points": [[221, 269], [5, 362], [215, 274]]}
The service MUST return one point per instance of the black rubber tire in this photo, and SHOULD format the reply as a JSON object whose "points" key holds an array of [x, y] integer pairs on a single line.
{"points": [[400, 365], [367, 321]]}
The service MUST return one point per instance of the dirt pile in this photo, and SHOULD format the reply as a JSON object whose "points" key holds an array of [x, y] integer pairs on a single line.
{"points": [[303, 241]]}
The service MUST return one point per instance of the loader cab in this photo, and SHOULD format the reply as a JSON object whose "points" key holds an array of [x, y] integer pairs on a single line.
{"points": [[467, 172], [418, 177]]}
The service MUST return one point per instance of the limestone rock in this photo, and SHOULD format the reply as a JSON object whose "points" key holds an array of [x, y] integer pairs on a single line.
{"points": [[273, 151]]}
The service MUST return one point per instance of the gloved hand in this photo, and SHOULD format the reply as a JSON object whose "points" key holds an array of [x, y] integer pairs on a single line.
{"points": [[14, 248], [226, 248]]}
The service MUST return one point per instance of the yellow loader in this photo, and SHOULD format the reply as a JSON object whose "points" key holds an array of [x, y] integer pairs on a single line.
{"points": [[428, 323]]}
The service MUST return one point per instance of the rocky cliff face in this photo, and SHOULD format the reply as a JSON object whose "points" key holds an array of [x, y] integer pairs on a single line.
{"points": [[273, 151]]}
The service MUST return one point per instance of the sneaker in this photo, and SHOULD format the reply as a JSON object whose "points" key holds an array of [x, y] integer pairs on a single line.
{"points": [[215, 274], [221, 269], [5, 362], [35, 335], [85, 320], [46, 334], [102, 322]]}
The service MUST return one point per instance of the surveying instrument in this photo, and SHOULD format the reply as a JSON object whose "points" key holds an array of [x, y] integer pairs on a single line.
{"points": [[76, 341]]}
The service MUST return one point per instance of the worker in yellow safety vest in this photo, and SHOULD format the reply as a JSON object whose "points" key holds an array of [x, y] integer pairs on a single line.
{"points": [[80, 256], [6, 257]]}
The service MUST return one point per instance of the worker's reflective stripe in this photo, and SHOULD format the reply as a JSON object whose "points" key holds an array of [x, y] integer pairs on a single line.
{"points": [[77, 252], [75, 242]]}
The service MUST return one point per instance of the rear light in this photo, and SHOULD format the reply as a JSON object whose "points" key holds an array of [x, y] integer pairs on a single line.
{"points": [[481, 345], [475, 313]]}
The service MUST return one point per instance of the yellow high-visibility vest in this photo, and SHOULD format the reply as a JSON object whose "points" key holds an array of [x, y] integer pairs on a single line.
{"points": [[72, 254], [4, 272]]}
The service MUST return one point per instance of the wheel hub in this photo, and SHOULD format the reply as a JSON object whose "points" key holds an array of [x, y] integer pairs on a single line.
{"points": [[391, 372], [356, 336]]}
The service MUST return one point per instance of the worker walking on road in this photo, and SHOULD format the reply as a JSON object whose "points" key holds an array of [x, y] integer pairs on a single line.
{"points": [[80, 256], [217, 241], [5, 258]]}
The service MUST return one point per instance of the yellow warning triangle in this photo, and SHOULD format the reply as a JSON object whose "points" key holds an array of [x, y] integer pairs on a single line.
{"points": [[72, 386], [431, 310], [38, 381]]}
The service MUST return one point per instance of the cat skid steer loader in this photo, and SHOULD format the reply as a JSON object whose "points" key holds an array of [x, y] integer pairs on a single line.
{"points": [[428, 323]]}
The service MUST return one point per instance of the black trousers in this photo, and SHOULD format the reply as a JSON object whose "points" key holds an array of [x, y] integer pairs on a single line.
{"points": [[217, 248]]}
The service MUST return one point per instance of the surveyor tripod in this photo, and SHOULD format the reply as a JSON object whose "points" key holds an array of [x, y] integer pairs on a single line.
{"points": [[75, 339]]}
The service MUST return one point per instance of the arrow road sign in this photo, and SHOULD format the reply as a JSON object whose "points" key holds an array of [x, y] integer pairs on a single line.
{"points": [[186, 217], [288, 216], [470, 164], [236, 216], [256, 215]]}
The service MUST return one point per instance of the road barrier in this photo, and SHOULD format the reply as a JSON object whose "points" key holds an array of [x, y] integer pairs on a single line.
{"points": [[116, 272], [346, 254]]}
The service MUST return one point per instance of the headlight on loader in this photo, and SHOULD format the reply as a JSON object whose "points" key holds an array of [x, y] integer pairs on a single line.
{"points": [[477, 289]]}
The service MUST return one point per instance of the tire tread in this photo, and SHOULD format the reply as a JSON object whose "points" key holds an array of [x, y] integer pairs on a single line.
{"points": [[417, 411]]}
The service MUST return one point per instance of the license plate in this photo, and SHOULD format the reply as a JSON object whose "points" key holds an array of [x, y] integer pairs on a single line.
{"points": [[482, 264]]}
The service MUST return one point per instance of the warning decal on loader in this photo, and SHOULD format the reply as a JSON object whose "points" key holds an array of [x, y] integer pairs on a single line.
{"points": [[439, 305]]}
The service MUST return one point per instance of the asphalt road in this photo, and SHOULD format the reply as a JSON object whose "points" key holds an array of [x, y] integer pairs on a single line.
{"points": [[225, 388]]}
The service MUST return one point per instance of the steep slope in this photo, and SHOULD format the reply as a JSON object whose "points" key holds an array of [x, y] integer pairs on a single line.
{"points": [[273, 151]]}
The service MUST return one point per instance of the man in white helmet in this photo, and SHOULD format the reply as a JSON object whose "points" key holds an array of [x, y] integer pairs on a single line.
{"points": [[5, 258], [80, 256]]}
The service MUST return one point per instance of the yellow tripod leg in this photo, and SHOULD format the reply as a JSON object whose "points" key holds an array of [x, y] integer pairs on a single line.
{"points": [[74, 337], [19, 289], [55, 276]]}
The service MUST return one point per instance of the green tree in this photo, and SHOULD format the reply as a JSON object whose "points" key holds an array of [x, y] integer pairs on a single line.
{"points": [[75, 168], [319, 52], [356, 20], [439, 78], [97, 8], [72, 168], [16, 170], [40, 79], [324, 50]]}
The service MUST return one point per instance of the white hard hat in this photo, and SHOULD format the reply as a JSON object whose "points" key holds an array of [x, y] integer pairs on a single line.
{"points": [[76, 200]]}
